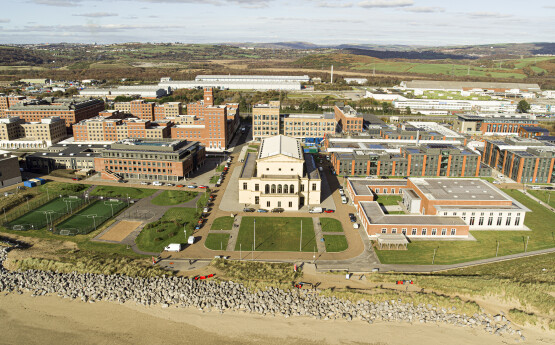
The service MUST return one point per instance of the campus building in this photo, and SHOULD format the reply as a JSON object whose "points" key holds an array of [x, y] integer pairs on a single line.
{"points": [[419, 105], [532, 131], [521, 159], [69, 110], [348, 120], [309, 126], [212, 125], [418, 159], [266, 120], [15, 133], [64, 156], [444, 85], [280, 176], [493, 124], [9, 169], [422, 131], [6, 101], [148, 110], [142, 91], [114, 129], [161, 160], [436, 207], [237, 82]]}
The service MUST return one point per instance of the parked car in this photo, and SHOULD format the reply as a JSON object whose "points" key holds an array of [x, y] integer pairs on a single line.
{"points": [[144, 183], [327, 210], [355, 226], [352, 217], [203, 187], [191, 240], [316, 210], [75, 178], [157, 183], [169, 184], [120, 181], [191, 186], [261, 210], [173, 247], [343, 199], [278, 210], [248, 209], [180, 186]]}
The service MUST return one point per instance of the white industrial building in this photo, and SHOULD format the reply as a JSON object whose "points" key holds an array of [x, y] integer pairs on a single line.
{"points": [[143, 91], [457, 105], [248, 78], [384, 96], [443, 85], [358, 81], [261, 85]]}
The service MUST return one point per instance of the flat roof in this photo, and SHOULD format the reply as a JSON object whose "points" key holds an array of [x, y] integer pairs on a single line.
{"points": [[458, 189], [375, 215], [249, 166], [361, 185]]}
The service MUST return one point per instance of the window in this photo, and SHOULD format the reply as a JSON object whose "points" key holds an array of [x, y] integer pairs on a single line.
{"points": [[414, 231], [481, 221], [453, 232], [267, 204], [273, 189], [302, 188], [244, 186], [499, 219], [256, 200], [279, 203], [314, 186], [292, 189], [392, 190], [517, 221], [290, 203], [267, 189], [404, 231], [384, 231], [443, 232], [385, 190], [256, 187], [394, 230], [472, 220], [490, 220], [508, 222], [377, 190], [424, 232], [434, 232]]}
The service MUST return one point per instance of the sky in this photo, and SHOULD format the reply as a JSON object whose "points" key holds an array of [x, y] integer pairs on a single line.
{"points": [[407, 22]]}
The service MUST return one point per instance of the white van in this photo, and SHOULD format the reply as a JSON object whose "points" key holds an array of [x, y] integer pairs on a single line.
{"points": [[157, 183], [191, 240], [173, 247], [355, 225], [343, 199], [536, 187], [316, 210]]}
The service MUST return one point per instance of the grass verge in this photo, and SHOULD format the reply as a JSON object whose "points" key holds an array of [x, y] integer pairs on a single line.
{"points": [[330, 225], [217, 241], [335, 243], [276, 234], [222, 223], [122, 192], [173, 197]]}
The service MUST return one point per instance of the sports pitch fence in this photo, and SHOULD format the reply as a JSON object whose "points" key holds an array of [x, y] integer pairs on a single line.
{"points": [[89, 218], [43, 214]]}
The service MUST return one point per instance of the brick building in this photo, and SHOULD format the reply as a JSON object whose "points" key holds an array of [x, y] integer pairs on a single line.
{"points": [[149, 110], [305, 126], [348, 120], [161, 160], [266, 120], [532, 131], [442, 208], [493, 124], [114, 129], [523, 160], [6, 101], [69, 110], [16, 133], [9, 169]]}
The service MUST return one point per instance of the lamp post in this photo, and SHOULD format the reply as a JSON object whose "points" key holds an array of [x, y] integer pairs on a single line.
{"points": [[301, 239]]}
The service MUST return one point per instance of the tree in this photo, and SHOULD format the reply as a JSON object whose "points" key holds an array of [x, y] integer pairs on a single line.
{"points": [[523, 107], [408, 111]]}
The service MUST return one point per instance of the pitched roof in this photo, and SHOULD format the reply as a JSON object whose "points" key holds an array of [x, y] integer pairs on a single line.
{"points": [[280, 144]]}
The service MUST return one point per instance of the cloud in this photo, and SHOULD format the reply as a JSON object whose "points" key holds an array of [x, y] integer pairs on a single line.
{"points": [[492, 15], [99, 28], [385, 3], [96, 15], [58, 3], [424, 9], [4, 20], [335, 4]]}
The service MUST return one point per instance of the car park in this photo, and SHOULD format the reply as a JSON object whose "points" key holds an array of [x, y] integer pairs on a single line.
{"points": [[278, 210], [248, 209]]}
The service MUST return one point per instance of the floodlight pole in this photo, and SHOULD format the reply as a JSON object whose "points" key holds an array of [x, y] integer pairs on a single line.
{"points": [[526, 246], [434, 257], [497, 250], [254, 235], [112, 207]]}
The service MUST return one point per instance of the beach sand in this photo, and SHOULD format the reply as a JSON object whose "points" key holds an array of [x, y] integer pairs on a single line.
{"points": [[54, 320]]}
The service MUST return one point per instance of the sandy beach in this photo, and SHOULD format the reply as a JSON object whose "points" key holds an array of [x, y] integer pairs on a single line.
{"points": [[54, 320]]}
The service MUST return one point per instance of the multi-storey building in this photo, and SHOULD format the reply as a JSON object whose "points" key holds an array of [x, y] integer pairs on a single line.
{"points": [[266, 120], [280, 176], [430, 159], [9, 169], [493, 124], [162, 160], [16, 133], [439, 208], [108, 129], [532, 131], [6, 101], [69, 110], [348, 120], [523, 160], [304, 126]]}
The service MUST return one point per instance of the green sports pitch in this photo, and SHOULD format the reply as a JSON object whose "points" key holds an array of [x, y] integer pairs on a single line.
{"points": [[46, 214], [89, 218]]}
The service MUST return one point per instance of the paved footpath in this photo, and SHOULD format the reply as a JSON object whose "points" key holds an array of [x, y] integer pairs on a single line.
{"points": [[318, 232], [234, 234]]}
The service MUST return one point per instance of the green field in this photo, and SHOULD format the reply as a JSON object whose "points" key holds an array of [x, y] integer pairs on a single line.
{"points": [[335, 243], [389, 200], [217, 241], [90, 218], [544, 195], [45, 214], [214, 178], [168, 229], [61, 188], [222, 223], [542, 236], [330, 225], [173, 197], [276, 234], [122, 192]]}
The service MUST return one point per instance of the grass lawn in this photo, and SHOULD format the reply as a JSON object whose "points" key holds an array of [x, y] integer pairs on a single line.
{"points": [[122, 192], [217, 241], [395, 212], [214, 178], [222, 223], [330, 225], [168, 229], [540, 221], [173, 197], [544, 195], [276, 234], [389, 199], [335, 243], [62, 188]]}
